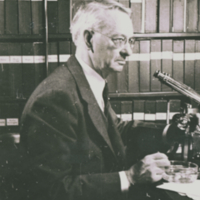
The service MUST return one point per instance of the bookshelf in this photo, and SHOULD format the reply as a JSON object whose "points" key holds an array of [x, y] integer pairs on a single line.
{"points": [[45, 25]]}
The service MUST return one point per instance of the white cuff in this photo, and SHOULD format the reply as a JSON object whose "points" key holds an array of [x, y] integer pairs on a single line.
{"points": [[125, 184]]}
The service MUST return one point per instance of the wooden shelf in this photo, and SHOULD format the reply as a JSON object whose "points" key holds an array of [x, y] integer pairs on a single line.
{"points": [[167, 35]]}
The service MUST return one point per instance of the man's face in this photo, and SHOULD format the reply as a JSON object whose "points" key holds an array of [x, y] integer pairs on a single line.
{"points": [[108, 57]]}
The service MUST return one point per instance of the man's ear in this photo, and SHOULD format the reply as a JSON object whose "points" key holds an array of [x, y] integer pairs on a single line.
{"points": [[87, 37]]}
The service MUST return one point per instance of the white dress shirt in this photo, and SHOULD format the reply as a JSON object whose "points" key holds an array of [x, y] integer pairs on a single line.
{"points": [[97, 84]]}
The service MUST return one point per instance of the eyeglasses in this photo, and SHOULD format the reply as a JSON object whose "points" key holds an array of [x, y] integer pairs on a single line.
{"points": [[120, 41]]}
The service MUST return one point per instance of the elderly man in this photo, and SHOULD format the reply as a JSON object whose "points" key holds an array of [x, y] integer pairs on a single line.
{"points": [[74, 143]]}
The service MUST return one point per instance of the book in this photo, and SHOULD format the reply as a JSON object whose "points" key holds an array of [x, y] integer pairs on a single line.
{"points": [[138, 109], [189, 62], [167, 58], [37, 10], [150, 16], [150, 110], [136, 8], [63, 16], [64, 51], [2, 17], [5, 82], [155, 64], [112, 83], [24, 16], [52, 57], [52, 13], [28, 69], [178, 16], [164, 16], [174, 108], [178, 60], [192, 16], [39, 61], [11, 16], [126, 111], [161, 110], [12, 117], [199, 17], [122, 79], [144, 70], [2, 118], [197, 66], [133, 69], [15, 70], [116, 106]]}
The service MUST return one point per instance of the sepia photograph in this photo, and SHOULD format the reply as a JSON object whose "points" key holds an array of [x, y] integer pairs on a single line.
{"points": [[99, 99]]}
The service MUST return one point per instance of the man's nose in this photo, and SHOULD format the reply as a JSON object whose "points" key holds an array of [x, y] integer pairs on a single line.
{"points": [[126, 50]]}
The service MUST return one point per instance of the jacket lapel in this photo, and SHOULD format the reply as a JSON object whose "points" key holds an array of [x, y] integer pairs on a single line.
{"points": [[94, 111]]}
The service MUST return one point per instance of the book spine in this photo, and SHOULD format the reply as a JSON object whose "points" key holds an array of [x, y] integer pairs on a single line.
{"points": [[52, 57], [155, 64], [116, 106], [4, 72], [167, 56], [63, 16], [122, 80], [138, 110], [2, 118], [144, 72], [64, 51], [136, 8], [24, 16], [151, 16], [178, 60], [126, 111], [39, 61], [197, 66], [175, 107], [112, 83], [164, 16], [192, 16], [150, 111], [133, 69], [12, 117], [37, 10], [2, 18], [161, 110], [178, 16], [198, 16], [28, 69], [11, 16], [189, 62], [52, 13], [15, 70]]}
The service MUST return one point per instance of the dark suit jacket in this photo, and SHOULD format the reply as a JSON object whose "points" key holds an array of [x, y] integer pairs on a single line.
{"points": [[71, 149]]}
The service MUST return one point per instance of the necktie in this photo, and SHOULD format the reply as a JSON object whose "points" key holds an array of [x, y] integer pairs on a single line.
{"points": [[105, 98]]}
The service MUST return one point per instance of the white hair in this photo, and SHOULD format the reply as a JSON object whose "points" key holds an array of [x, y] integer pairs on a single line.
{"points": [[93, 16]]}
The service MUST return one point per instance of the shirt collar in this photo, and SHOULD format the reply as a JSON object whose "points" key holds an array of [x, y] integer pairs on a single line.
{"points": [[96, 82]]}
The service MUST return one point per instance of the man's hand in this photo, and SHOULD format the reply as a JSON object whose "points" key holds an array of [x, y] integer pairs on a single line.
{"points": [[149, 170]]}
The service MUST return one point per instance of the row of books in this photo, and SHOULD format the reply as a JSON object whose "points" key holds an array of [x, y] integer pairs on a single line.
{"points": [[146, 110], [179, 58], [10, 113], [28, 16], [164, 16], [23, 66]]}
